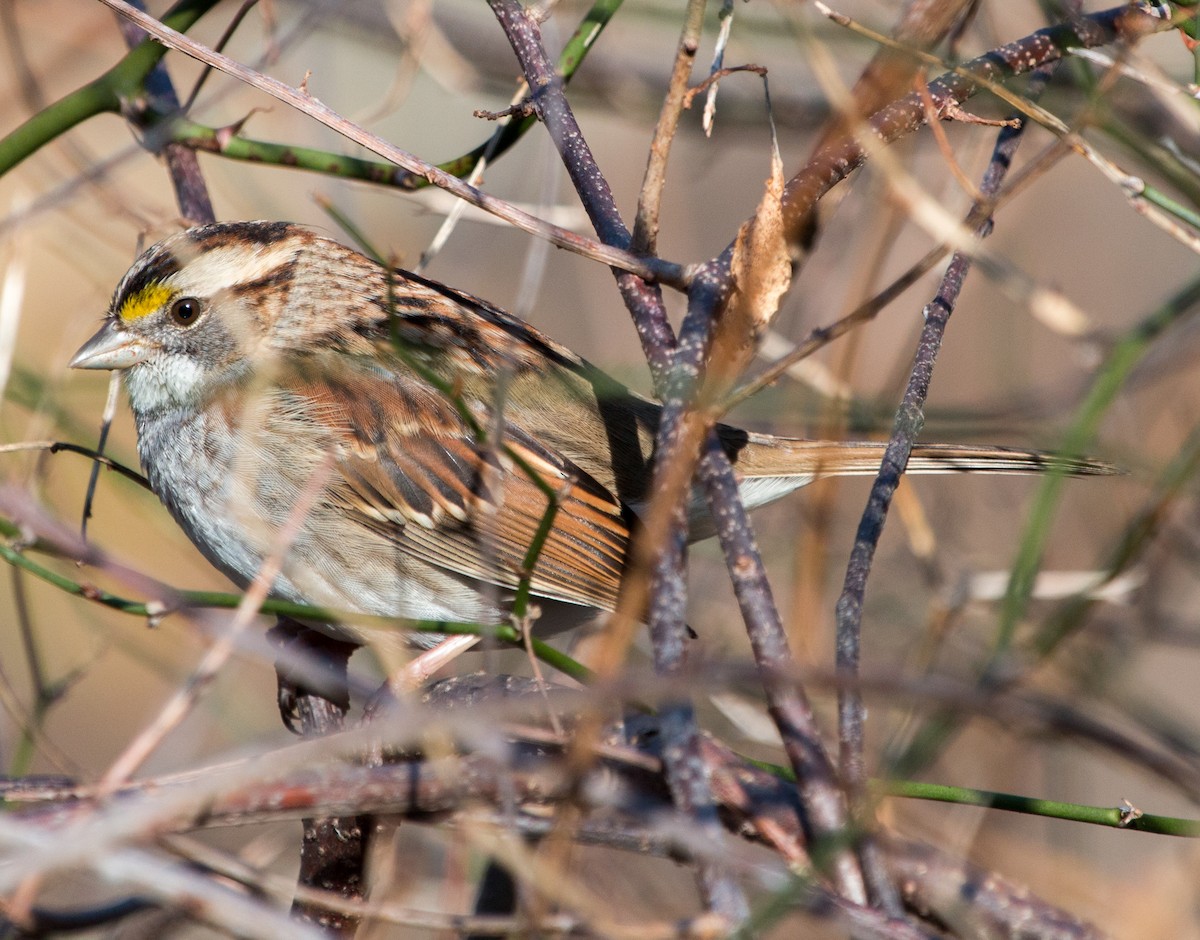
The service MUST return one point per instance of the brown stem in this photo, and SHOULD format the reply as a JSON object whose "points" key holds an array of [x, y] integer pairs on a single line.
{"points": [[645, 226], [901, 118]]}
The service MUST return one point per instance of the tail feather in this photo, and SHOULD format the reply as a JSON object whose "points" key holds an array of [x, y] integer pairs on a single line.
{"points": [[951, 458], [766, 456], [771, 467]]}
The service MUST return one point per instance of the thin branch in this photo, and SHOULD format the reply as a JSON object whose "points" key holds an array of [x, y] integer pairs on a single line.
{"points": [[759, 806], [649, 268], [907, 427], [682, 429], [686, 773], [903, 117], [645, 227], [104, 94]]}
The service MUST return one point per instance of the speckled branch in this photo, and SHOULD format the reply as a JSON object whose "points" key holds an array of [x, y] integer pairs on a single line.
{"points": [[680, 435], [686, 773], [901, 118]]}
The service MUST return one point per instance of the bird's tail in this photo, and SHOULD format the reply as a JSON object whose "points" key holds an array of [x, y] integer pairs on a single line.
{"points": [[771, 467], [767, 456]]}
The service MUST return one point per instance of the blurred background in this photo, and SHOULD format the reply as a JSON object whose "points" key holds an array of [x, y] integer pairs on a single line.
{"points": [[73, 215]]}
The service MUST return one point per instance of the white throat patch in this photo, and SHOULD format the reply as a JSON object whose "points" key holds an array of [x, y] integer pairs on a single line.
{"points": [[163, 381]]}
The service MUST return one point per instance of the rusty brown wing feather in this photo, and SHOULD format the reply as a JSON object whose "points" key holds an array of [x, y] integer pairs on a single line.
{"points": [[408, 468]]}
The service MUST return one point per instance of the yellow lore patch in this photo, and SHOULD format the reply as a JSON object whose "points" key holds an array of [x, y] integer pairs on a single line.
{"points": [[144, 302]]}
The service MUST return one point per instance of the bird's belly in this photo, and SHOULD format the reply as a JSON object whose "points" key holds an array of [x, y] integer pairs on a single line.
{"points": [[240, 511]]}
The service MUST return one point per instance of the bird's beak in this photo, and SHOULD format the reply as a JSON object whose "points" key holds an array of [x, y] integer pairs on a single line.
{"points": [[110, 349]]}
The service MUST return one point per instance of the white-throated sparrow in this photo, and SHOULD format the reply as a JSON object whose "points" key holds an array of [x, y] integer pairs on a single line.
{"points": [[262, 359]]}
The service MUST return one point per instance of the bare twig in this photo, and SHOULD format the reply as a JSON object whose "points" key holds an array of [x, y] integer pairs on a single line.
{"points": [[686, 773], [650, 268], [645, 227], [833, 164], [757, 805], [230, 28], [681, 432], [182, 163], [106, 419], [889, 74], [717, 69], [715, 77], [908, 423]]}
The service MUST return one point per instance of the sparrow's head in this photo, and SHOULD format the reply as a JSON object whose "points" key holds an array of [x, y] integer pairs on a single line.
{"points": [[216, 303], [198, 307]]}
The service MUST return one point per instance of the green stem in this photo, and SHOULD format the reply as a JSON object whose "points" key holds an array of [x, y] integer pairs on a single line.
{"points": [[1113, 817], [521, 601], [99, 96], [96, 97], [1156, 197], [226, 142], [1126, 817], [1125, 354], [1138, 535], [182, 600]]}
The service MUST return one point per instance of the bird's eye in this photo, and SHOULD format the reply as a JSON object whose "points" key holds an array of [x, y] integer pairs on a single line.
{"points": [[184, 311]]}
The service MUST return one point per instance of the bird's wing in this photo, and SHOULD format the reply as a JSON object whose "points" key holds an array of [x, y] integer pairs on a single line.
{"points": [[408, 467]]}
